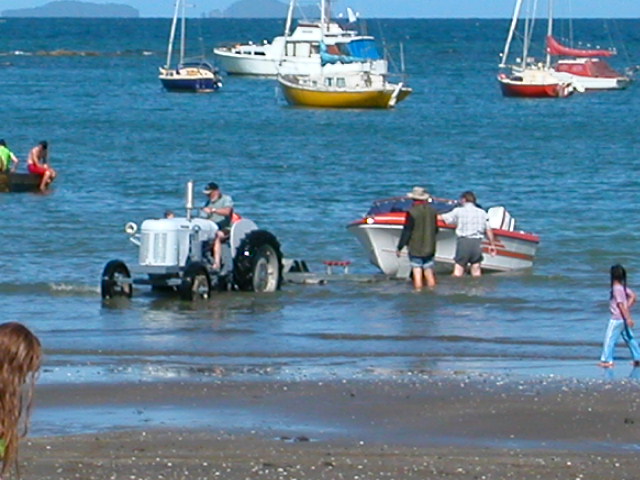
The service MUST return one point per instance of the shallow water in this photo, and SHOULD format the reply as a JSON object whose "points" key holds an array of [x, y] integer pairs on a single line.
{"points": [[566, 170]]}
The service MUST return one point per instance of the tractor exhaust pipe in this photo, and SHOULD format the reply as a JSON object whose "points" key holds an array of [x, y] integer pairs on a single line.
{"points": [[189, 199]]}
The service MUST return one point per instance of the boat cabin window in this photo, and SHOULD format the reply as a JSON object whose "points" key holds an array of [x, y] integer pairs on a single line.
{"points": [[328, 81], [295, 49], [340, 82], [303, 50]]}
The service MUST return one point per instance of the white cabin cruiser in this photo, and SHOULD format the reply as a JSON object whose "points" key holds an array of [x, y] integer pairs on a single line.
{"points": [[380, 228], [310, 49]]}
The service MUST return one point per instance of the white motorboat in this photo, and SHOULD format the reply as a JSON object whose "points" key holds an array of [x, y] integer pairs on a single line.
{"points": [[380, 228], [310, 49]]}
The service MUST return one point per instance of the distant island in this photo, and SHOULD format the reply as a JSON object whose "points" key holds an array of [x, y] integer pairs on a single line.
{"points": [[74, 9], [261, 9]]}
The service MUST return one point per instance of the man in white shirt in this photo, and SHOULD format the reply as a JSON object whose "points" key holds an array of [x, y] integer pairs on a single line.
{"points": [[472, 225]]}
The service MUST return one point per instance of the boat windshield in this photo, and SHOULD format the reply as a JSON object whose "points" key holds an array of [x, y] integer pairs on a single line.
{"points": [[403, 204]]}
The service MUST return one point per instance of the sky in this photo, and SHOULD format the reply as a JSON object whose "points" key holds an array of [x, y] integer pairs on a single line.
{"points": [[388, 8]]}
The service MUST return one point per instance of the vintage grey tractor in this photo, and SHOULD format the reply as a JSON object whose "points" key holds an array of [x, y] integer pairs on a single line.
{"points": [[175, 254]]}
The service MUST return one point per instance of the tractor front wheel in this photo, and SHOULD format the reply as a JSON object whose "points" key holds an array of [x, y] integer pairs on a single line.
{"points": [[196, 283], [116, 281]]}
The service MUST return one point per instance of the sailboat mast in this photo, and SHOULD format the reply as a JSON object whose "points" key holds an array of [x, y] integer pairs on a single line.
{"points": [[528, 31], [182, 32], [549, 33], [287, 26], [172, 35], [325, 16], [287, 32], [512, 30]]}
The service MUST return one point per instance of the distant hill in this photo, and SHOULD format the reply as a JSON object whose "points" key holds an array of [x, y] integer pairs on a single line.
{"points": [[261, 9], [70, 8], [256, 9]]}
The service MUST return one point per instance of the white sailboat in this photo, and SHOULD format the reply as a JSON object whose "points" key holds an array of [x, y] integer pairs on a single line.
{"points": [[195, 75]]}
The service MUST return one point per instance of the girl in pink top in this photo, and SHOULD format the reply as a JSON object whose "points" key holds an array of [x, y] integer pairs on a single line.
{"points": [[621, 299]]}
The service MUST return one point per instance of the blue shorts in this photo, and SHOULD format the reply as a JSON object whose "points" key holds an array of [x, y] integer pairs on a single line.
{"points": [[425, 263]]}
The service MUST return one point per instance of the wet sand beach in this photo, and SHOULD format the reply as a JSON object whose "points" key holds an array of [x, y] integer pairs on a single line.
{"points": [[453, 426]]}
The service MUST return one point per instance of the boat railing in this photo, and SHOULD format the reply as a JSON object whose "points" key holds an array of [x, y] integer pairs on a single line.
{"points": [[397, 78]]}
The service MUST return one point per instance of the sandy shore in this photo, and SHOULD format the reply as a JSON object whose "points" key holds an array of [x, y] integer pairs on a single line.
{"points": [[450, 427]]}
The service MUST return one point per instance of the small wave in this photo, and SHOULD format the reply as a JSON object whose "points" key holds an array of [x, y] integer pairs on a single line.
{"points": [[445, 339], [77, 53], [74, 288], [54, 288], [14, 53]]}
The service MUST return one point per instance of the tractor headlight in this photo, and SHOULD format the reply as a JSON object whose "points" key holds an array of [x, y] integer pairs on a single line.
{"points": [[131, 228]]}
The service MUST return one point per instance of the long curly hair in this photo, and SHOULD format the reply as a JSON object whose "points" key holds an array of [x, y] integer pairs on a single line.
{"points": [[20, 356]]}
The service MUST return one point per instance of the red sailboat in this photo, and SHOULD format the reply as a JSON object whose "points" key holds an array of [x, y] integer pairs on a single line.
{"points": [[528, 77], [585, 67]]}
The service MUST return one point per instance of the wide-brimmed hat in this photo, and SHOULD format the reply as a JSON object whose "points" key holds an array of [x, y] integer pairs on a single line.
{"points": [[211, 187], [418, 193]]}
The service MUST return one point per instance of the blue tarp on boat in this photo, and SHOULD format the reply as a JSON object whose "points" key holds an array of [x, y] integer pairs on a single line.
{"points": [[364, 48], [360, 50]]}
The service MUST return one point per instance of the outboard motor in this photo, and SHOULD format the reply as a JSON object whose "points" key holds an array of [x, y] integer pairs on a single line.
{"points": [[501, 219]]}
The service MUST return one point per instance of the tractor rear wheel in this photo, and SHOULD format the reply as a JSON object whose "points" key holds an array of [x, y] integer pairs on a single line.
{"points": [[257, 266], [196, 283], [116, 281]]}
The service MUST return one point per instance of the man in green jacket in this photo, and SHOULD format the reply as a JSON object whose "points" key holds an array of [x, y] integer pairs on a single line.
{"points": [[6, 157], [419, 234]]}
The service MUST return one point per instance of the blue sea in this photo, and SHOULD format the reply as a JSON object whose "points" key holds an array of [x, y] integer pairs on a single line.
{"points": [[124, 148]]}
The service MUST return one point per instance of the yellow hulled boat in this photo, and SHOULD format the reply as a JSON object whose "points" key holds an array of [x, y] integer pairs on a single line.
{"points": [[348, 90]]}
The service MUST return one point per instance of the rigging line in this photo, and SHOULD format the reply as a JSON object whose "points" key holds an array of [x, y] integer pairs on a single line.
{"points": [[623, 46], [386, 49], [571, 38], [528, 29], [301, 12], [201, 39]]}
